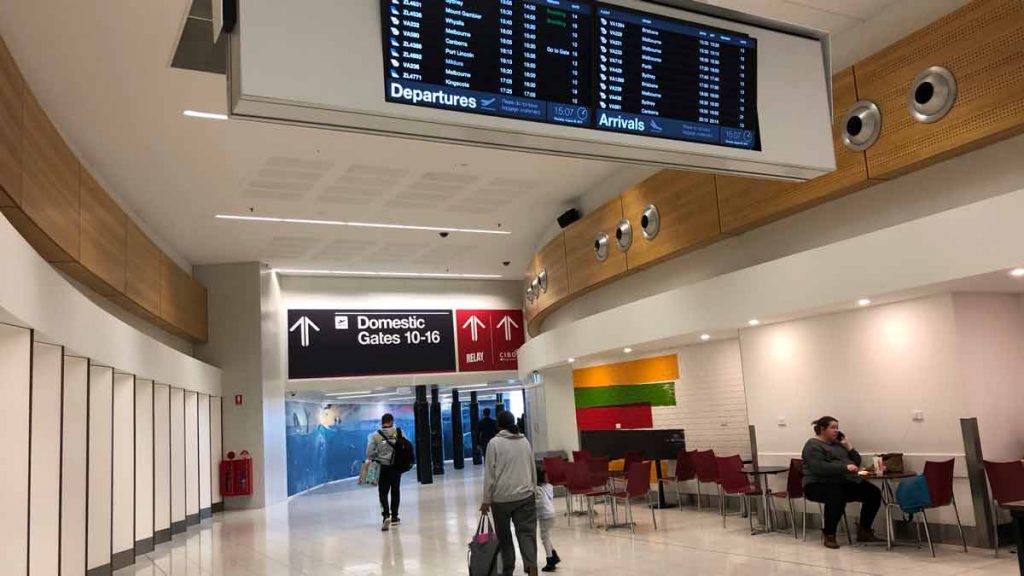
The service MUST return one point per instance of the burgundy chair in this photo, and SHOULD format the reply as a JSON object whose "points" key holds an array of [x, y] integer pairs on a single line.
{"points": [[555, 470], [638, 485], [598, 468], [580, 485], [706, 470], [1006, 482], [939, 477], [733, 482], [632, 457], [794, 490], [580, 455], [685, 471]]}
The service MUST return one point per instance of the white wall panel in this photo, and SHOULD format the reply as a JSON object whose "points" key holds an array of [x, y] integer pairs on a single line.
{"points": [[204, 453], [74, 466], [144, 448], [216, 448], [101, 438], [177, 429], [191, 455], [15, 378], [161, 457], [44, 530], [124, 464]]}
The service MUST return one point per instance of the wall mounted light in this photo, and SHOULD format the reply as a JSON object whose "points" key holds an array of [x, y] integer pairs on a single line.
{"points": [[650, 221], [931, 95], [1017, 272], [627, 350], [601, 247], [862, 124], [624, 235], [705, 337]]}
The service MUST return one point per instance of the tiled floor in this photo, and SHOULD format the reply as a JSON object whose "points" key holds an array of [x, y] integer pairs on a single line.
{"points": [[334, 531]]}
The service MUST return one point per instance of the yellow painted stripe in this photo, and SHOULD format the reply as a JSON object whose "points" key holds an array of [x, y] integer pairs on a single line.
{"points": [[646, 371]]}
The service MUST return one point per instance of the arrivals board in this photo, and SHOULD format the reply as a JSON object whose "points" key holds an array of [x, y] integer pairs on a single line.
{"points": [[573, 63]]}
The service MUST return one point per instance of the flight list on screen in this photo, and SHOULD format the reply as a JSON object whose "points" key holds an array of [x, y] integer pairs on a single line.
{"points": [[573, 63]]}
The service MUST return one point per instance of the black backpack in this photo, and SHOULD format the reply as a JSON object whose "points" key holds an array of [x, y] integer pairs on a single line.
{"points": [[404, 454]]}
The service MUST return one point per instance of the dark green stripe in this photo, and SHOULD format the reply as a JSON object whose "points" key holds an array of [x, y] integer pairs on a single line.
{"points": [[662, 394]]}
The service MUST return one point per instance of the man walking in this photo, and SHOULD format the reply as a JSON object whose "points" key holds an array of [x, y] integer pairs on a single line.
{"points": [[510, 479], [380, 447], [486, 429]]}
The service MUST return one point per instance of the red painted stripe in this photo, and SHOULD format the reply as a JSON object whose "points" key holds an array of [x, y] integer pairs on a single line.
{"points": [[606, 417]]}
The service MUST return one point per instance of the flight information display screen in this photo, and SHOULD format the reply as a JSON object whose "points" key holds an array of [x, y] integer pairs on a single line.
{"points": [[573, 63], [525, 59]]}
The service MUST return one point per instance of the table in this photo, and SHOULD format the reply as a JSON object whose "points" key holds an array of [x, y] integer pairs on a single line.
{"points": [[888, 500], [762, 473], [1017, 513]]}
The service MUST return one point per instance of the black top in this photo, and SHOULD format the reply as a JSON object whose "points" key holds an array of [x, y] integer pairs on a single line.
{"points": [[487, 428], [826, 463]]}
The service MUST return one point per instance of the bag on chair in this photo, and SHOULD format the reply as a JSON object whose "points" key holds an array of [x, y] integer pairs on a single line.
{"points": [[483, 549]]}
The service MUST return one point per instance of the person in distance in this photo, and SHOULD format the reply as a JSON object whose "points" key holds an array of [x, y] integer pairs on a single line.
{"points": [[830, 465], [380, 447], [486, 429]]}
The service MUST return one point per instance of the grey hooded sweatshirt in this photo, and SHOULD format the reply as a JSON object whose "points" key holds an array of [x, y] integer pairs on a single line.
{"points": [[380, 451], [509, 471]]}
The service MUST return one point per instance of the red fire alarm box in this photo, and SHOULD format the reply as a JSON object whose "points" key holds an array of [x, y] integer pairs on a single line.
{"points": [[236, 475]]}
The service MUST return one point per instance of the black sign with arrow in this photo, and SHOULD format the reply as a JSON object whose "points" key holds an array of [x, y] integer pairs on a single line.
{"points": [[345, 343]]}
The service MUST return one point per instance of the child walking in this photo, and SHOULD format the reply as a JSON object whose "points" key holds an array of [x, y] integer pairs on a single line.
{"points": [[545, 496]]}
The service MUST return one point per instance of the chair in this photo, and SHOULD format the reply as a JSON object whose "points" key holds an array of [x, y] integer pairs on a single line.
{"points": [[555, 470], [580, 455], [638, 485], [685, 471], [794, 490], [632, 457], [706, 470], [939, 477], [733, 482], [1006, 482], [579, 485], [598, 468]]}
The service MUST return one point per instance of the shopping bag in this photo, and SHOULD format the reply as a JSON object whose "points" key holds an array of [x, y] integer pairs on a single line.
{"points": [[483, 549], [369, 474]]}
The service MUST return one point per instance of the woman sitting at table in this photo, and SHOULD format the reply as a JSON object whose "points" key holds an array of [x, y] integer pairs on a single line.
{"points": [[830, 477]]}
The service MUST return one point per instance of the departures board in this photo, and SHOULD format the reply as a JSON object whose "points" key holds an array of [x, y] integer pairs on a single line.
{"points": [[573, 63]]}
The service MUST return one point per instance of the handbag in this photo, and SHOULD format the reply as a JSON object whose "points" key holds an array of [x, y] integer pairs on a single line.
{"points": [[893, 462], [483, 549], [369, 474]]}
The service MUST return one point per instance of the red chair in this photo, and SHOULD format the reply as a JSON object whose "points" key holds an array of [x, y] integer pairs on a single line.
{"points": [[631, 458], [580, 455], [706, 470], [733, 482], [638, 485], [794, 490], [580, 485], [598, 468], [686, 470], [555, 471], [1006, 482], [939, 477]]}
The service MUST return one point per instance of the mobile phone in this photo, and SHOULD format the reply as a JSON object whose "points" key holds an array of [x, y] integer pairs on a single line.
{"points": [[840, 436]]}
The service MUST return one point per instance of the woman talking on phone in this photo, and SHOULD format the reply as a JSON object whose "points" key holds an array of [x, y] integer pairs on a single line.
{"points": [[830, 477]]}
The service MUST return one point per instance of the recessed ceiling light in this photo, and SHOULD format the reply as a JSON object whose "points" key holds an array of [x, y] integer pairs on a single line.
{"points": [[348, 393], [470, 386], [205, 115], [571, 360], [1017, 272], [357, 224], [754, 322], [344, 396], [313, 272], [627, 350], [705, 337], [864, 302]]}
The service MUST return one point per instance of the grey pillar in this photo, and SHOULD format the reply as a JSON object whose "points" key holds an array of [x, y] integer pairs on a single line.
{"points": [[979, 483], [436, 438]]}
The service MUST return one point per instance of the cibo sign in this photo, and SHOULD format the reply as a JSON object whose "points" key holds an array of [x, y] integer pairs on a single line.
{"points": [[345, 343]]}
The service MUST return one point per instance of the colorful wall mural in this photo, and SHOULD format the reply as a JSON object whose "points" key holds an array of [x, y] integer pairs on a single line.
{"points": [[620, 396]]}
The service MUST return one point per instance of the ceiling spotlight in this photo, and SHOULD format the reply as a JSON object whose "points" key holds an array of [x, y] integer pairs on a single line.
{"points": [[627, 350], [205, 115], [754, 322], [864, 302], [705, 337], [1017, 272], [571, 360]]}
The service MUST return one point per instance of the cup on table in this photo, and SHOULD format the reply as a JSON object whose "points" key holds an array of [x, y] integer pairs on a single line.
{"points": [[879, 465]]}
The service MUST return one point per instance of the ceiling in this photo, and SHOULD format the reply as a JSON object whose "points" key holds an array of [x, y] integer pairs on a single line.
{"points": [[102, 70]]}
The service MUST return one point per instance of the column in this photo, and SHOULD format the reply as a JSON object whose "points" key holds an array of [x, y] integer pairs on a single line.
{"points": [[474, 428], [421, 413], [436, 438], [458, 447]]}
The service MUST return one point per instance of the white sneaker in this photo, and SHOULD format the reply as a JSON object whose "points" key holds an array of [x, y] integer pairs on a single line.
{"points": [[386, 526]]}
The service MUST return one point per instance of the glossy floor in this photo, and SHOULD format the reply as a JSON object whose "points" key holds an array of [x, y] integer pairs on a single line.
{"points": [[335, 531]]}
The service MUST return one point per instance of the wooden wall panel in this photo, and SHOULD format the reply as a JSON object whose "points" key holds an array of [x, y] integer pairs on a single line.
{"points": [[688, 211], [584, 270], [104, 237], [50, 183], [531, 308], [981, 44], [144, 266], [182, 301], [552, 259], [12, 89], [745, 203]]}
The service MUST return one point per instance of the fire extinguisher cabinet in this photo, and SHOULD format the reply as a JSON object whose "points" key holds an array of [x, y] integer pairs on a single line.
{"points": [[236, 475]]}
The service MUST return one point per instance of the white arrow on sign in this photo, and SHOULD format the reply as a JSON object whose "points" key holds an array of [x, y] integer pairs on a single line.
{"points": [[473, 324], [507, 323], [305, 324]]}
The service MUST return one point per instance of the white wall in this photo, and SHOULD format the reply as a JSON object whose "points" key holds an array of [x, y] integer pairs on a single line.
{"points": [[990, 334], [124, 463], [177, 430], [15, 379], [558, 411], [191, 456], [74, 480], [204, 454], [161, 457], [44, 530], [274, 354], [145, 446], [101, 465], [216, 449]]}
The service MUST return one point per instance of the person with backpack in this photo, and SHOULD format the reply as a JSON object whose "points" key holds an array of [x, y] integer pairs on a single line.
{"points": [[389, 447]]}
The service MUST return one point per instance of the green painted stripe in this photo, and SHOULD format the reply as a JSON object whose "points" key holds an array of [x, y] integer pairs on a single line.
{"points": [[662, 394]]}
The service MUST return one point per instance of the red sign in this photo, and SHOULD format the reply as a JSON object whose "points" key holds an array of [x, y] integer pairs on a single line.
{"points": [[238, 399], [489, 339]]}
